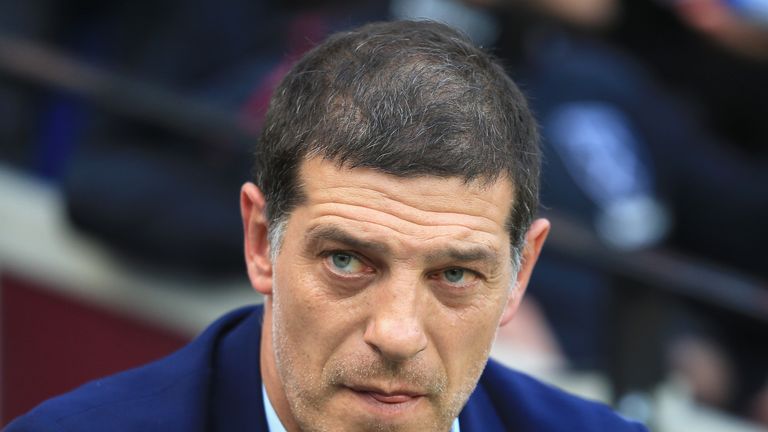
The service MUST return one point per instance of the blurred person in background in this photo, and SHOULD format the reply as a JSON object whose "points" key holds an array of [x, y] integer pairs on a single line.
{"points": [[712, 55], [693, 147]]}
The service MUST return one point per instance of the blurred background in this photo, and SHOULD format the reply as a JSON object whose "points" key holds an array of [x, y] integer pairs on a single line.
{"points": [[126, 130]]}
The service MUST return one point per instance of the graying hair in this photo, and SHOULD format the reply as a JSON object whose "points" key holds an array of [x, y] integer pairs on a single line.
{"points": [[275, 235]]}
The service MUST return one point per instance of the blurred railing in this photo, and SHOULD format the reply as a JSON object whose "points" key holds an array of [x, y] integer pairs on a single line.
{"points": [[665, 270], [31, 62]]}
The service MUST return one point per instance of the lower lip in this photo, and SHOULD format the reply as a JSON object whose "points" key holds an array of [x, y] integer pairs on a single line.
{"points": [[391, 399], [388, 405]]}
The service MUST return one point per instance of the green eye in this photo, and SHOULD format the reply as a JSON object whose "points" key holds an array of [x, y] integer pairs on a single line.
{"points": [[454, 275], [457, 277], [345, 263], [341, 260]]}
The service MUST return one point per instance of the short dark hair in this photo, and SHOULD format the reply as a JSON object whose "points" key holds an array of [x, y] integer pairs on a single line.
{"points": [[407, 98]]}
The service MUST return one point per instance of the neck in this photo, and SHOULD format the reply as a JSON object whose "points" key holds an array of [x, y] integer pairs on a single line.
{"points": [[269, 374]]}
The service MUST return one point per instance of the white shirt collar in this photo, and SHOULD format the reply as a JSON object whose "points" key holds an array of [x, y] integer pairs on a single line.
{"points": [[273, 421], [275, 425]]}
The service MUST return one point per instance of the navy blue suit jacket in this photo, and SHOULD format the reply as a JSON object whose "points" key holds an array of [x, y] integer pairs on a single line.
{"points": [[214, 384]]}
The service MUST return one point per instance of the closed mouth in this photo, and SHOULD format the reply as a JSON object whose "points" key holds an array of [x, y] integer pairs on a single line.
{"points": [[390, 399]]}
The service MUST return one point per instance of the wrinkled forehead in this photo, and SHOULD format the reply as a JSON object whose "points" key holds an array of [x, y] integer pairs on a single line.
{"points": [[421, 196]]}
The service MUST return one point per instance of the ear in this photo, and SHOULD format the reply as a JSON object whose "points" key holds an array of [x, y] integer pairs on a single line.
{"points": [[252, 206], [534, 240]]}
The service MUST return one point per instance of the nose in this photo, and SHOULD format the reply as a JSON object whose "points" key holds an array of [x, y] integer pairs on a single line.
{"points": [[396, 329]]}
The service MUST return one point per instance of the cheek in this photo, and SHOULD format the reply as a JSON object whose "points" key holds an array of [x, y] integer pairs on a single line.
{"points": [[309, 325], [474, 339], [295, 314], [465, 338]]}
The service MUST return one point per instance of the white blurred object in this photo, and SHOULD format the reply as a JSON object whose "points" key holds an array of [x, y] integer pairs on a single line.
{"points": [[599, 146], [637, 406], [633, 222], [675, 411]]}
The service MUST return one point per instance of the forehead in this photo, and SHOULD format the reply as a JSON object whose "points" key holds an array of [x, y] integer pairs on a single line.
{"points": [[423, 206]]}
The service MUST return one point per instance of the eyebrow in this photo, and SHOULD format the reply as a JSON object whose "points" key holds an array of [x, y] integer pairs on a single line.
{"points": [[322, 233], [481, 254], [332, 233]]}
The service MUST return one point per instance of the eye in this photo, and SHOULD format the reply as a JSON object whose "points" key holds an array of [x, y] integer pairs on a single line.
{"points": [[454, 275], [345, 263], [458, 276]]}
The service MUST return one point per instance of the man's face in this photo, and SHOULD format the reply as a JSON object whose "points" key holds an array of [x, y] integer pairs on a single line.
{"points": [[385, 298]]}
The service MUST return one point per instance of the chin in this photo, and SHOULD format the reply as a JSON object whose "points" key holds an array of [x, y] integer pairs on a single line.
{"points": [[361, 413]]}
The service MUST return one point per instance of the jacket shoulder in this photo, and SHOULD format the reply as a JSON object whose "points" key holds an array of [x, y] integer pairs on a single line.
{"points": [[168, 394], [526, 404]]}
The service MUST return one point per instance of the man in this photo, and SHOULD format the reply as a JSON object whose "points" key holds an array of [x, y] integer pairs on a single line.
{"points": [[391, 230]]}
